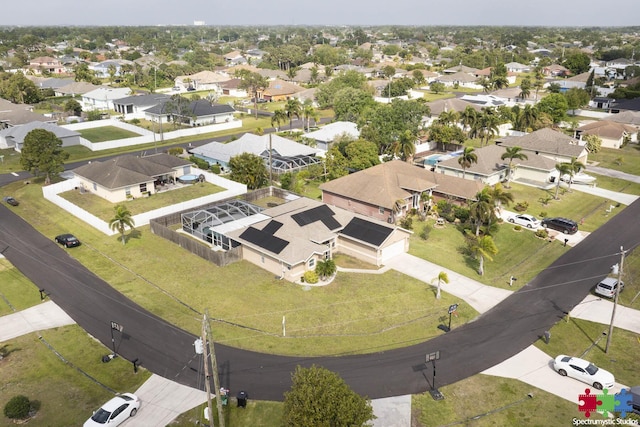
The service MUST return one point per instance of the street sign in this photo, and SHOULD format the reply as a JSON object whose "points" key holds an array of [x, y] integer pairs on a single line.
{"points": [[117, 327], [452, 308], [433, 356]]}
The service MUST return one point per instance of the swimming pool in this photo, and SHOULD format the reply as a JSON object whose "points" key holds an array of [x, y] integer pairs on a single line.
{"points": [[188, 179]]}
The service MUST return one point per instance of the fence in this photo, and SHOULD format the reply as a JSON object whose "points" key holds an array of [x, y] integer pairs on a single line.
{"points": [[146, 136], [233, 189]]}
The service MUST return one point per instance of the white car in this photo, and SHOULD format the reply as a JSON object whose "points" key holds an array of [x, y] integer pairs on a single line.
{"points": [[584, 371], [608, 287], [115, 411], [526, 220]]}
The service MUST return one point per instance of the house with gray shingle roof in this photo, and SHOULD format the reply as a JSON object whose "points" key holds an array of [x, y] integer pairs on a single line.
{"points": [[126, 177], [325, 136], [132, 107], [14, 136], [197, 113], [75, 88], [549, 143], [298, 234], [490, 169], [460, 78], [19, 114], [260, 145], [612, 134]]}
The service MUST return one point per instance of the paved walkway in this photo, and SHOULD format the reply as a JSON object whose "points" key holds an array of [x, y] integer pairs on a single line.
{"points": [[614, 174]]}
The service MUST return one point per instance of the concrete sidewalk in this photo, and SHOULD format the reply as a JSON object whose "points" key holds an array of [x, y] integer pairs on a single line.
{"points": [[46, 315]]}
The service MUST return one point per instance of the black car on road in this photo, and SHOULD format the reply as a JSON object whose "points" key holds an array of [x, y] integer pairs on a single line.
{"points": [[564, 225], [68, 240]]}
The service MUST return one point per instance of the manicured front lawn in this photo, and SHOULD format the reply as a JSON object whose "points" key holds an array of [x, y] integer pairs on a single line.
{"points": [[104, 209], [626, 159], [65, 396], [106, 133], [16, 291]]}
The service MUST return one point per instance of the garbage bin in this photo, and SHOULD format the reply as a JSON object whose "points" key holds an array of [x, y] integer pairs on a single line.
{"points": [[242, 399]]}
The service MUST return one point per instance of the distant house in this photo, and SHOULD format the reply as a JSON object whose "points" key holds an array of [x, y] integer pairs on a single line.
{"points": [[490, 169], [46, 64], [626, 117], [626, 105], [133, 107], [459, 79], [14, 136], [555, 70], [103, 69], [600, 102], [612, 134], [127, 177], [204, 80], [280, 90], [198, 113], [232, 88], [102, 98], [325, 136], [516, 67], [19, 114], [74, 89], [285, 154], [549, 143]]}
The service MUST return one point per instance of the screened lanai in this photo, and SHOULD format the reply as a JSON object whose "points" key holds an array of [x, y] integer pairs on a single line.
{"points": [[211, 223], [282, 164]]}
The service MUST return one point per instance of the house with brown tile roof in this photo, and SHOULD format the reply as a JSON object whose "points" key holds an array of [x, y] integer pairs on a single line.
{"points": [[612, 134], [48, 64], [384, 192], [490, 169], [125, 177], [297, 234], [280, 90], [549, 143]]}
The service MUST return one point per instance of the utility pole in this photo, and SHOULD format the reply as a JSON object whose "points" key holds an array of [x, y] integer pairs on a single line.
{"points": [[615, 299], [270, 162], [216, 381], [206, 369]]}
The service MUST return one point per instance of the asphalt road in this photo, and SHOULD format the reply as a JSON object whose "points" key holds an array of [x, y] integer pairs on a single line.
{"points": [[465, 351]]}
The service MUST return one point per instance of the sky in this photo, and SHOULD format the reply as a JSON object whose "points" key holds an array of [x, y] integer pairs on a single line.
{"points": [[572, 13]]}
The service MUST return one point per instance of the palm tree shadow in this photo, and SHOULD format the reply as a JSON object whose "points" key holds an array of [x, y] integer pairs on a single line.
{"points": [[133, 234]]}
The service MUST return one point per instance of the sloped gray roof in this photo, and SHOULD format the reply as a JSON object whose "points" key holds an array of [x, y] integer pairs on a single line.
{"points": [[199, 108], [546, 141], [254, 144], [332, 130], [18, 133], [128, 170], [490, 162], [142, 100]]}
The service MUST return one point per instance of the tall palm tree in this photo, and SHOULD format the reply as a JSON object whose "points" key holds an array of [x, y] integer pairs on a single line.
{"points": [[574, 167], [563, 169], [405, 146], [499, 197], [442, 278], [525, 88], [483, 247], [308, 113], [530, 116], [120, 220], [512, 153], [448, 117], [279, 117], [466, 159], [293, 108], [481, 210], [489, 122], [468, 118]]}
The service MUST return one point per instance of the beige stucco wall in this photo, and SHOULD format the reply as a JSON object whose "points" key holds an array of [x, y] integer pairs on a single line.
{"points": [[532, 174], [114, 196]]}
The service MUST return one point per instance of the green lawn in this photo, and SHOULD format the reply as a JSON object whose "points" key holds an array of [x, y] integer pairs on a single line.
{"points": [[106, 133], [17, 292], [626, 159], [64, 395], [104, 209]]}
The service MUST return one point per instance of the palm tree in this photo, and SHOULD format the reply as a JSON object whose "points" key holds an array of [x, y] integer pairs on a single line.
{"points": [[574, 167], [483, 247], [292, 108], [279, 117], [120, 220], [529, 118], [466, 159], [488, 122], [512, 153], [448, 117], [325, 268], [525, 88], [481, 210], [308, 113], [442, 277], [468, 118], [405, 146], [563, 169], [500, 197]]}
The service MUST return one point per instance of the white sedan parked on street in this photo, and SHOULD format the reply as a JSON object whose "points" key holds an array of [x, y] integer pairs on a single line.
{"points": [[115, 412], [584, 371], [526, 220]]}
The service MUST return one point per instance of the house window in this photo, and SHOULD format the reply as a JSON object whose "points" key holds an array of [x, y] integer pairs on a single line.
{"points": [[381, 210], [127, 192], [262, 259], [312, 262], [143, 187], [95, 187]]}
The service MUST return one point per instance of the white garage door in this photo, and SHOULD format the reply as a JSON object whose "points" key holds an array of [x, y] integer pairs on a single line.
{"points": [[392, 250]]}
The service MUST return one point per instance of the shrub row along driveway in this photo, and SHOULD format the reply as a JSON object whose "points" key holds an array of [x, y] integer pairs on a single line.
{"points": [[166, 350]]}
